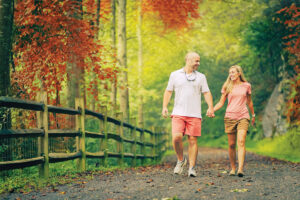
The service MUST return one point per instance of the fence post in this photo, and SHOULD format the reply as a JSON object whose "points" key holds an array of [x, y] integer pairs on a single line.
{"points": [[158, 142], [153, 136], [120, 132], [166, 138], [133, 135], [79, 104], [142, 138], [43, 142], [160, 138], [103, 129]]}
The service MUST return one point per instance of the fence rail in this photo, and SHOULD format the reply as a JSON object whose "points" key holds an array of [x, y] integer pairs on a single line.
{"points": [[157, 141]]}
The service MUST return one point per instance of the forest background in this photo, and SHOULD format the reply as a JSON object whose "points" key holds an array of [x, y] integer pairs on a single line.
{"points": [[120, 54]]}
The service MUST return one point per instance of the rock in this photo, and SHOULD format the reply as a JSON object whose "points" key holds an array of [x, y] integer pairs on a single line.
{"points": [[274, 121]]}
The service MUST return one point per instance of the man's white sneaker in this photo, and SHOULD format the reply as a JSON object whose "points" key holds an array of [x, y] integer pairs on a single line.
{"points": [[192, 172], [179, 166]]}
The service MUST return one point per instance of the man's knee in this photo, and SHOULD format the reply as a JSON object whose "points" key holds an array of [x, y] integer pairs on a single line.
{"points": [[177, 137]]}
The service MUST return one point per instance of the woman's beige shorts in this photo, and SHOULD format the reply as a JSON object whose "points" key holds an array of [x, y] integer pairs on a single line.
{"points": [[232, 125]]}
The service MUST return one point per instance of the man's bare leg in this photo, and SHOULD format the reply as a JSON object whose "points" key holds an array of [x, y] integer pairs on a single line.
{"points": [[178, 145], [193, 150]]}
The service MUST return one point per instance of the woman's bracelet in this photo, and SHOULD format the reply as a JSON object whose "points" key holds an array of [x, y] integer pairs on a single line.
{"points": [[253, 115]]}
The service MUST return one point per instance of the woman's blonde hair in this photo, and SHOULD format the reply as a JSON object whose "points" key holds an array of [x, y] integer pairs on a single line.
{"points": [[228, 85]]}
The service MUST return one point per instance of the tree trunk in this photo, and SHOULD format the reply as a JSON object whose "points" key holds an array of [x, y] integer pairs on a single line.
{"points": [[76, 73], [95, 86], [113, 38], [140, 64], [122, 58], [6, 22]]}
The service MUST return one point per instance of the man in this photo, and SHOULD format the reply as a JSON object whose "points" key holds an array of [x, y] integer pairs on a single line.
{"points": [[188, 85]]}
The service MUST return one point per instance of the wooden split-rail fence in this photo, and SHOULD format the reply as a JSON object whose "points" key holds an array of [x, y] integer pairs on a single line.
{"points": [[156, 141]]}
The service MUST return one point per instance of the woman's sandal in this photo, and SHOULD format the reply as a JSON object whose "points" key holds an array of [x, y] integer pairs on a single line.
{"points": [[232, 173], [240, 174]]}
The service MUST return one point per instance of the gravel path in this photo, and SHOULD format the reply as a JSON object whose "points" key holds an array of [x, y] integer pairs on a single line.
{"points": [[265, 178]]}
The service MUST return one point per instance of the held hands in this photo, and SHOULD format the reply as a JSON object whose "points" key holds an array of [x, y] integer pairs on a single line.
{"points": [[165, 112], [210, 112]]}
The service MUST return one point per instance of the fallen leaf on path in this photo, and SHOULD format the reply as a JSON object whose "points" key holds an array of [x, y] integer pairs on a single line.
{"points": [[224, 172], [239, 190], [23, 192], [62, 192], [149, 181]]}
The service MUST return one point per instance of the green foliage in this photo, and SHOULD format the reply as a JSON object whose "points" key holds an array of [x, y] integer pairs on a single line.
{"points": [[25, 180], [213, 141], [284, 147]]}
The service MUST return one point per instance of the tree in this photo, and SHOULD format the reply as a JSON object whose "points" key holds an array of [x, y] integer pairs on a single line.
{"points": [[122, 57], [174, 14], [48, 36], [75, 71], [140, 63], [6, 23], [290, 16], [113, 39]]}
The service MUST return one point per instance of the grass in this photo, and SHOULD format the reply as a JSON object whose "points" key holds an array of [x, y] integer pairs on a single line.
{"points": [[283, 147], [26, 180]]}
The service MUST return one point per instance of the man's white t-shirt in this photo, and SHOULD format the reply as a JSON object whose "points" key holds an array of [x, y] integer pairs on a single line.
{"points": [[187, 93]]}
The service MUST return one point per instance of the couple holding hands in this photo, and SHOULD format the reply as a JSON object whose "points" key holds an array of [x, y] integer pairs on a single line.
{"points": [[188, 84]]}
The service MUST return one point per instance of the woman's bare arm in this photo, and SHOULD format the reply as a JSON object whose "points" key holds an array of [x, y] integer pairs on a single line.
{"points": [[220, 103], [250, 105]]}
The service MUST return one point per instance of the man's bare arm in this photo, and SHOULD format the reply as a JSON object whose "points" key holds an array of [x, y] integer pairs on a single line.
{"points": [[209, 100], [166, 100]]}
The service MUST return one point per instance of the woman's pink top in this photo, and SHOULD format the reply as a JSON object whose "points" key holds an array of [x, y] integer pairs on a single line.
{"points": [[237, 101]]}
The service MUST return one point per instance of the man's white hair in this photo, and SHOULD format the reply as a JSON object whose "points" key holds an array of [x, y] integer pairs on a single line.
{"points": [[190, 55]]}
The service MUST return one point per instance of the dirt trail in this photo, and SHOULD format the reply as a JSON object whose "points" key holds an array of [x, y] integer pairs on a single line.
{"points": [[265, 178]]}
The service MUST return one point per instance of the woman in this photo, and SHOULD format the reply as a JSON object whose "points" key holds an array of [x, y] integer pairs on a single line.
{"points": [[238, 92]]}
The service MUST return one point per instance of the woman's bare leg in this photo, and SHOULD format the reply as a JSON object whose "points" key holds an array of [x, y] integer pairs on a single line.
{"points": [[241, 138], [231, 150]]}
